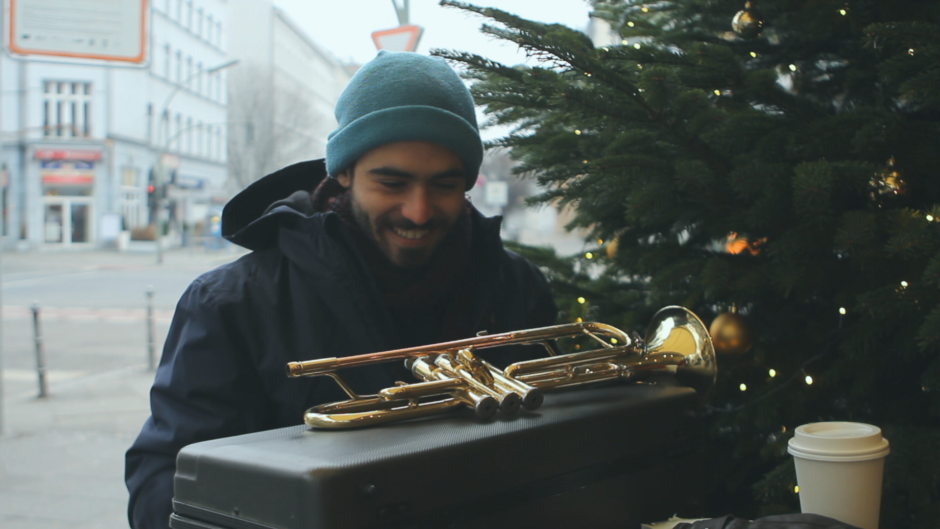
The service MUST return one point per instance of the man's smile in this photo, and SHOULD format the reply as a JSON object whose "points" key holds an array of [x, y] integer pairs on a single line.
{"points": [[411, 234]]}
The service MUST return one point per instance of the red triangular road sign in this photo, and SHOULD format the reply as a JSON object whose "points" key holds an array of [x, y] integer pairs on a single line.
{"points": [[402, 38]]}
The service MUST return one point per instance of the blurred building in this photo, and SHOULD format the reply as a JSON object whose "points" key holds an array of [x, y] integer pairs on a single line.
{"points": [[80, 138], [499, 192], [282, 94]]}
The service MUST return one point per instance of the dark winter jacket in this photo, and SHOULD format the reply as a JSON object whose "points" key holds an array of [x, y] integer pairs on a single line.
{"points": [[303, 293]]}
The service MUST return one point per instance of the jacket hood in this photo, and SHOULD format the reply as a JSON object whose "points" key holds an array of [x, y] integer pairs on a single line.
{"points": [[253, 216]]}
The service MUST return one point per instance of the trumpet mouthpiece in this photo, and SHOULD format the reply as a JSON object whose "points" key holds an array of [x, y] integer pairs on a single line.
{"points": [[294, 369], [311, 367]]}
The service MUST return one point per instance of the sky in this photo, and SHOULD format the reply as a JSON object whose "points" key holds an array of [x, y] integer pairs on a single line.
{"points": [[344, 27]]}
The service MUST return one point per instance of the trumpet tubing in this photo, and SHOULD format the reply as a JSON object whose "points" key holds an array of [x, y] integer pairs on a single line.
{"points": [[450, 374]]}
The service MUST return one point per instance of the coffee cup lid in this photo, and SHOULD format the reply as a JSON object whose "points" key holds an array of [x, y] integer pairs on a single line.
{"points": [[838, 441]]}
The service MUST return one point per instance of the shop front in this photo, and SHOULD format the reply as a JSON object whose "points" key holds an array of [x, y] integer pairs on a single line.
{"points": [[68, 184]]}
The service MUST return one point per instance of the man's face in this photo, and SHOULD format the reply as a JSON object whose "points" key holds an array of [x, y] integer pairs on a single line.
{"points": [[406, 196]]}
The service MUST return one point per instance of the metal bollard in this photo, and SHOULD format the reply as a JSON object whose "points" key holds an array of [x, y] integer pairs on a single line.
{"points": [[40, 355], [151, 349]]}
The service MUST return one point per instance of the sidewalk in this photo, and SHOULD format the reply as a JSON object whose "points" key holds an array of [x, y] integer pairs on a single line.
{"points": [[144, 256], [62, 457]]}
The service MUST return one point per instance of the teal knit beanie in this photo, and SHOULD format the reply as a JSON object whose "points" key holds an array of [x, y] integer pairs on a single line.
{"points": [[403, 96]]}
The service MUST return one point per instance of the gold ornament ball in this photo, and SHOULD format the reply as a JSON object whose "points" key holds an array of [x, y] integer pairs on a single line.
{"points": [[747, 22], [732, 334], [612, 248]]}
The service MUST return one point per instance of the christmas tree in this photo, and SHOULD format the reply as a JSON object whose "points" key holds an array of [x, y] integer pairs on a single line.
{"points": [[779, 158]]}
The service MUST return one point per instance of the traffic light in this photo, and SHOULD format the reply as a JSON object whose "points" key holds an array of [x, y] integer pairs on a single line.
{"points": [[153, 201]]}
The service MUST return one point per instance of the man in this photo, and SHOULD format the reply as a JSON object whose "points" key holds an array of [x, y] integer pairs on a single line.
{"points": [[384, 253]]}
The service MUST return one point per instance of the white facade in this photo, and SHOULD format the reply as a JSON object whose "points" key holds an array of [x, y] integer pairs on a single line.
{"points": [[282, 94], [80, 138]]}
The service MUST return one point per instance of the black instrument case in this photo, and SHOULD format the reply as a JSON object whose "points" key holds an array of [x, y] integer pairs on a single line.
{"points": [[609, 456]]}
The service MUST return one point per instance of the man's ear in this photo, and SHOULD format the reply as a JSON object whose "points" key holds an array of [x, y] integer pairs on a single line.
{"points": [[344, 178]]}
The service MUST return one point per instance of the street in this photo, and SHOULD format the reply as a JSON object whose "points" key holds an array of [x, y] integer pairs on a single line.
{"points": [[62, 456]]}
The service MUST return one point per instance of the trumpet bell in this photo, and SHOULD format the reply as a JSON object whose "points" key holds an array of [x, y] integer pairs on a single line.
{"points": [[676, 336]]}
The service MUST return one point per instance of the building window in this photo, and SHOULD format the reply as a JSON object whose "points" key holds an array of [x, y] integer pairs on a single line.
{"points": [[179, 66], [179, 10], [199, 78], [189, 68], [199, 22], [165, 127], [218, 33], [189, 14], [189, 135], [209, 28], [200, 132], [176, 136], [209, 141], [167, 55], [149, 122], [66, 109]]}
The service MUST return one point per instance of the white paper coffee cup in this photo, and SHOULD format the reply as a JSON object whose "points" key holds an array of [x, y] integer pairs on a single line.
{"points": [[839, 468]]}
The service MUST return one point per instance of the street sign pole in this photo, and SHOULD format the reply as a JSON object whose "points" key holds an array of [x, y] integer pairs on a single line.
{"points": [[402, 12], [403, 38]]}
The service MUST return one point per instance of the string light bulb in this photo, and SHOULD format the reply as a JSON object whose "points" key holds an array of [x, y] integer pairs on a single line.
{"points": [[903, 284], [579, 320], [577, 131], [600, 241], [929, 218], [809, 380], [754, 54], [772, 373], [743, 387], [582, 301], [796, 489], [645, 9], [842, 311], [637, 45], [717, 92], [589, 255], [843, 12], [630, 24], [625, 42], [910, 51], [792, 67], [613, 341]]}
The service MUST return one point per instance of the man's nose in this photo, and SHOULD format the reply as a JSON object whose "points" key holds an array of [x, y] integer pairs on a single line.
{"points": [[417, 206]]}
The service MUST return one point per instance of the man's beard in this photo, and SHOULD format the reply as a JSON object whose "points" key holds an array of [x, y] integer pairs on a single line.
{"points": [[377, 230]]}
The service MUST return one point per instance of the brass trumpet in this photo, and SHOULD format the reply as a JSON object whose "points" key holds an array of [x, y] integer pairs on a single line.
{"points": [[452, 376]]}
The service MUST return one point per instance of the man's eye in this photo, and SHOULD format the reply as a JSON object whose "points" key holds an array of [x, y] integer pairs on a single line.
{"points": [[392, 184], [446, 186]]}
